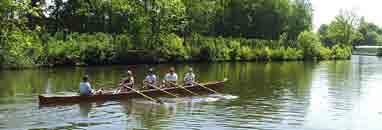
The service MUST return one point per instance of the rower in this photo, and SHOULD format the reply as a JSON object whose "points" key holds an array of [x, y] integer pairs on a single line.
{"points": [[127, 82], [150, 80], [189, 78], [86, 89], [171, 78]]}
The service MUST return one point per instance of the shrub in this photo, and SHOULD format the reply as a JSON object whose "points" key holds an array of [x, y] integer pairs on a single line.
{"points": [[341, 52], [293, 54], [278, 54], [171, 48], [122, 44], [96, 49], [309, 43], [246, 53], [324, 53], [234, 47], [21, 49], [63, 52], [263, 54]]}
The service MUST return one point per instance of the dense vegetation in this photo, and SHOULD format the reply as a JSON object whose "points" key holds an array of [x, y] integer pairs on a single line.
{"points": [[80, 32]]}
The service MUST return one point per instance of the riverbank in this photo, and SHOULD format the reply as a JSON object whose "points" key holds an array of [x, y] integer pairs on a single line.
{"points": [[105, 49]]}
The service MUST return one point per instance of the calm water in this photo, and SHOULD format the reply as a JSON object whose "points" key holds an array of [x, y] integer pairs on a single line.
{"points": [[331, 95]]}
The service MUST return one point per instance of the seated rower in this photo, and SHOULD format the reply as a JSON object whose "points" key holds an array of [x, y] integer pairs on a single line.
{"points": [[189, 78], [150, 80], [171, 78], [127, 83], [86, 89]]}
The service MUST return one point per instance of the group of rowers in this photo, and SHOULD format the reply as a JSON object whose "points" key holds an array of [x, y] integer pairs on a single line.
{"points": [[151, 81]]}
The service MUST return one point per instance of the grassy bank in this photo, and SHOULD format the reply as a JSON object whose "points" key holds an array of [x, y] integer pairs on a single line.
{"points": [[28, 49]]}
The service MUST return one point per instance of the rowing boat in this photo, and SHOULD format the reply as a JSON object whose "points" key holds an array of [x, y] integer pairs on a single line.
{"points": [[62, 99]]}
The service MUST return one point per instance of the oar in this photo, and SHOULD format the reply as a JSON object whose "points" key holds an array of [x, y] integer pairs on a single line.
{"points": [[184, 88], [162, 90], [205, 87], [144, 95]]}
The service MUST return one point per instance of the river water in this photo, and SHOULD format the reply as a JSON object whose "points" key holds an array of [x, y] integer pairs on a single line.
{"points": [[329, 95]]}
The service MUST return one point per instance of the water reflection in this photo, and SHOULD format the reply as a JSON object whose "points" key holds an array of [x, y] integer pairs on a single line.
{"points": [[85, 109], [276, 95], [147, 114]]}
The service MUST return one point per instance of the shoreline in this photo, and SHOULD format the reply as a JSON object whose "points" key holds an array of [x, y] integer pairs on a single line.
{"points": [[21, 67]]}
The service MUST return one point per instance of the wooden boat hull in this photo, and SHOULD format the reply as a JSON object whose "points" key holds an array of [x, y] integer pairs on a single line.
{"points": [[51, 100]]}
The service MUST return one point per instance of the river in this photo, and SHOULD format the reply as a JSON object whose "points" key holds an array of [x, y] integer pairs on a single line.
{"points": [[328, 95]]}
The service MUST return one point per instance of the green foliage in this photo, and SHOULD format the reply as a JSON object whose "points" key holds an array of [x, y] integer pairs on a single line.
{"points": [[379, 52], [371, 34], [341, 52], [96, 49], [310, 44], [21, 48], [63, 52], [82, 32], [324, 53], [171, 48], [122, 43], [81, 49], [246, 53], [343, 30]]}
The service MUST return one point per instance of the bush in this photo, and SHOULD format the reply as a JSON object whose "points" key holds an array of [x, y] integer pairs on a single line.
{"points": [[278, 54], [324, 53], [100, 48], [341, 52], [171, 48], [293, 54], [63, 52], [81, 49], [309, 43], [96, 49], [122, 44], [246, 53], [21, 49], [262, 54]]}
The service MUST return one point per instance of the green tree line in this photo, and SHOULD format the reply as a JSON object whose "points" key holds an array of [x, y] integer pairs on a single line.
{"points": [[83, 32]]}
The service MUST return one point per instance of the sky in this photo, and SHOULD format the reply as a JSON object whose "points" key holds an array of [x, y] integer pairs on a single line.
{"points": [[326, 10]]}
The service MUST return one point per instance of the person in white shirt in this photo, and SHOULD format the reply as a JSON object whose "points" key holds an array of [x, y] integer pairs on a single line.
{"points": [[189, 78], [150, 80], [171, 78], [86, 89]]}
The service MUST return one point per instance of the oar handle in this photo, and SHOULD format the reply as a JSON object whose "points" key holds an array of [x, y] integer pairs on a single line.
{"points": [[162, 90], [148, 97], [184, 88], [205, 87]]}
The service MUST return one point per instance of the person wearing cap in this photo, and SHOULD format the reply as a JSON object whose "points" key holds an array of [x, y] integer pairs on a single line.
{"points": [[127, 83], [86, 89], [150, 80], [189, 78], [170, 78]]}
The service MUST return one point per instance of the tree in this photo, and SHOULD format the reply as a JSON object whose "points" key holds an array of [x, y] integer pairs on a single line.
{"points": [[371, 33], [309, 43], [323, 34], [343, 30]]}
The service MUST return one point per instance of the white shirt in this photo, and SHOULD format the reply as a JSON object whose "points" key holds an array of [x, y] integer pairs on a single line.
{"points": [[85, 88], [151, 78], [189, 77], [171, 77]]}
